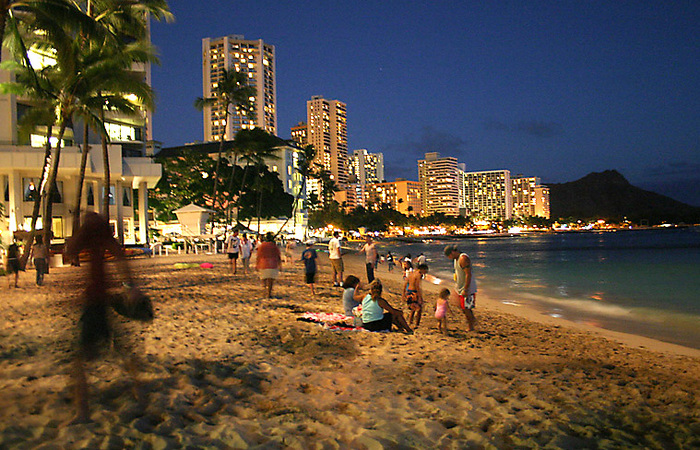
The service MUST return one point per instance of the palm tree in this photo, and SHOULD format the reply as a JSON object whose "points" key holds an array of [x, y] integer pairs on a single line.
{"points": [[61, 28], [254, 147], [112, 74], [232, 94]]}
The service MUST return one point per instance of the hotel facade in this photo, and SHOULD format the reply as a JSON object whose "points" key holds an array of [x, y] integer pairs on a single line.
{"points": [[441, 186], [328, 133], [402, 195], [488, 194], [254, 58], [22, 158]]}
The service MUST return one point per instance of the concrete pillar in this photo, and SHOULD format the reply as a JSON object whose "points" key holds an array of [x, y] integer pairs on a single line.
{"points": [[16, 196], [143, 213], [119, 204]]}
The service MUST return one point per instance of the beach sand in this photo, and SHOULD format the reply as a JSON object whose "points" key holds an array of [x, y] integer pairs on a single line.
{"points": [[226, 368]]}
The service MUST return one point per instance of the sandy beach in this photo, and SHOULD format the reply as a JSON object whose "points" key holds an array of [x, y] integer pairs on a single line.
{"points": [[226, 368]]}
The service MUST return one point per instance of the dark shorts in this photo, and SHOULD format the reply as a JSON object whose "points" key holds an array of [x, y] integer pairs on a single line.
{"points": [[379, 325], [412, 298], [233, 255], [310, 277], [13, 265]]}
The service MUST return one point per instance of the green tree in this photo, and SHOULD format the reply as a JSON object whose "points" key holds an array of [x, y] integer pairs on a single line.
{"points": [[187, 178]]}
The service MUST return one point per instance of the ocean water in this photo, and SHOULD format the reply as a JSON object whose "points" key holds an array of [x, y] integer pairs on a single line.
{"points": [[645, 282]]}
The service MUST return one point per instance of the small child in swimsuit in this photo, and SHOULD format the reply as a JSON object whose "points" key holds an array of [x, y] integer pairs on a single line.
{"points": [[441, 308]]}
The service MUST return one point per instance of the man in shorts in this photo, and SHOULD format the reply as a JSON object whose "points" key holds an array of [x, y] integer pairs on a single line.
{"points": [[336, 257], [233, 247], [465, 283]]}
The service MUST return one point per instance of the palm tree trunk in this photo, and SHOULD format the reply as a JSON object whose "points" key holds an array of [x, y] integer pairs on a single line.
{"points": [[51, 182], [107, 181], [79, 194], [216, 173], [4, 7], [39, 196]]}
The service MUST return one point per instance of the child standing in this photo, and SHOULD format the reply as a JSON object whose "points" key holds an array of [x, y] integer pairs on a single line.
{"points": [[309, 256], [441, 308]]}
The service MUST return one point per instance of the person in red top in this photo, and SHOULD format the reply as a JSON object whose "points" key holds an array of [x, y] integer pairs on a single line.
{"points": [[268, 262]]}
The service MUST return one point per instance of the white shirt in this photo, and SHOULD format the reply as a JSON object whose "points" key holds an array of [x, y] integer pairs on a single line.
{"points": [[246, 249], [334, 248], [233, 244]]}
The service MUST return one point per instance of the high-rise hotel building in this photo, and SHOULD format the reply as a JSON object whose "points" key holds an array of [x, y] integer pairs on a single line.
{"points": [[328, 133], [366, 167], [254, 58], [488, 194], [441, 184]]}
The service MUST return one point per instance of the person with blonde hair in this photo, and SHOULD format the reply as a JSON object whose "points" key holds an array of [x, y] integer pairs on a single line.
{"points": [[373, 316]]}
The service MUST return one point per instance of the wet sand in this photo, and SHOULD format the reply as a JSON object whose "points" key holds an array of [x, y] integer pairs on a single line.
{"points": [[226, 368]]}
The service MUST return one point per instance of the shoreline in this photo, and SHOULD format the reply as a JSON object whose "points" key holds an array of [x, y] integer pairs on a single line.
{"points": [[224, 367], [527, 312]]}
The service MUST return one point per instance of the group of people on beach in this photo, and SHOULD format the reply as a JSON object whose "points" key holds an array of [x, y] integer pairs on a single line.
{"points": [[373, 312]]}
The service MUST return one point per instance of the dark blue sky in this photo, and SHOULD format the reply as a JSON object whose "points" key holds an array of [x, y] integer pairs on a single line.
{"points": [[554, 89]]}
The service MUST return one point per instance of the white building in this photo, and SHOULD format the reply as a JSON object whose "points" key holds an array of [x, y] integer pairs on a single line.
{"points": [[132, 172]]}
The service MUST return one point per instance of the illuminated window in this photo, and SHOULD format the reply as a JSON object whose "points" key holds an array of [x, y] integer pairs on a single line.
{"points": [[118, 132], [36, 140]]}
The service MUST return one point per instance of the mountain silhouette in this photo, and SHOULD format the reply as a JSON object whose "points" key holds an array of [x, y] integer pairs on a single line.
{"points": [[608, 195]]}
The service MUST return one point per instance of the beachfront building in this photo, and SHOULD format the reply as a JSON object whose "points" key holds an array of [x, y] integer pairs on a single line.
{"points": [[328, 133], [542, 202], [366, 168], [488, 195], [530, 198], [441, 185], [22, 157], [254, 58], [402, 195], [524, 195]]}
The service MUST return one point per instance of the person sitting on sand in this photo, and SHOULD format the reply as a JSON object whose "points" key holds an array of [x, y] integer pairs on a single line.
{"points": [[413, 293], [373, 316], [97, 330], [268, 263], [309, 258], [352, 297], [441, 307]]}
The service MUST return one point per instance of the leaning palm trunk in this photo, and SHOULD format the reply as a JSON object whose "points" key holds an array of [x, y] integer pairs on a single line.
{"points": [[39, 196], [107, 181]]}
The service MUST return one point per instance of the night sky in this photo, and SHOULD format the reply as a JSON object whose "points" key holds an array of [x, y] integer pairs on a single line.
{"points": [[551, 89]]}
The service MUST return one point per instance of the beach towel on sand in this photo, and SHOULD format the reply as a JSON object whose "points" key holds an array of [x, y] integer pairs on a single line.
{"points": [[330, 321]]}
